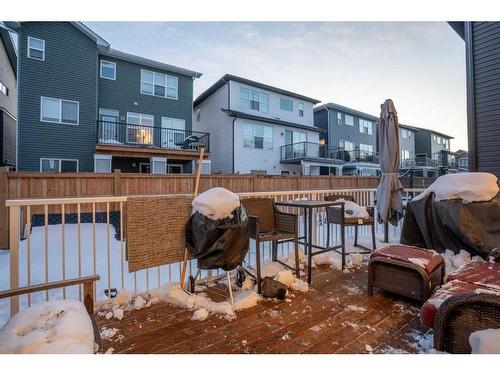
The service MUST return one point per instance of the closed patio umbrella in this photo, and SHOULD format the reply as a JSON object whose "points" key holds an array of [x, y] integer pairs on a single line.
{"points": [[389, 191]]}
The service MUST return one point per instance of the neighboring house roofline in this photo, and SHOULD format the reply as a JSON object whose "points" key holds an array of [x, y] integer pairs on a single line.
{"points": [[247, 116], [6, 37], [105, 49], [459, 28], [110, 52], [230, 77]]}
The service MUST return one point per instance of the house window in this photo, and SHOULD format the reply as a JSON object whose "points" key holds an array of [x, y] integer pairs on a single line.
{"points": [[173, 132], [365, 127], [58, 165], [258, 136], [108, 70], [286, 104], [158, 165], [346, 145], [250, 99], [405, 154], [140, 128], [301, 109], [4, 89], [339, 118], [102, 163], [159, 84], [405, 134], [36, 48], [60, 111], [349, 120]]}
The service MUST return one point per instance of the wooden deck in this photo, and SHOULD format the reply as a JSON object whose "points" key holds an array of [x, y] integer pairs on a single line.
{"points": [[337, 316]]}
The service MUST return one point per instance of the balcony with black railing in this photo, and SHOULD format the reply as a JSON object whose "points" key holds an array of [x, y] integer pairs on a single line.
{"points": [[294, 153], [117, 133]]}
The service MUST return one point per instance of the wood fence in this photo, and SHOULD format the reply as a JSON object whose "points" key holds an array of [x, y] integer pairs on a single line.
{"points": [[16, 185]]}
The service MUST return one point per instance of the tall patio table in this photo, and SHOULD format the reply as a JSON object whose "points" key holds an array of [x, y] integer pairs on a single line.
{"points": [[308, 206]]}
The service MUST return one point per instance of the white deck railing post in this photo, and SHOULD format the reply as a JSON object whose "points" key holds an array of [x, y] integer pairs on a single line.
{"points": [[14, 223]]}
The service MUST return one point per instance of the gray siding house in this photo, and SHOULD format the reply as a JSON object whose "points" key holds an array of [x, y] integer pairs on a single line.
{"points": [[84, 106], [8, 99], [482, 53], [258, 128], [352, 131]]}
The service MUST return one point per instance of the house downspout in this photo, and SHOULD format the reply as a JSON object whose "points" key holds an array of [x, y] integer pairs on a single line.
{"points": [[234, 120]]}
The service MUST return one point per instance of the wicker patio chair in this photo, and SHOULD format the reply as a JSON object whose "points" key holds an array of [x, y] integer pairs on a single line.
{"points": [[267, 223], [461, 315], [334, 215]]}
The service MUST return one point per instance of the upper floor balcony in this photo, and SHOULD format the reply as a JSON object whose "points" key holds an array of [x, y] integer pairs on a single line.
{"points": [[112, 135], [294, 153]]}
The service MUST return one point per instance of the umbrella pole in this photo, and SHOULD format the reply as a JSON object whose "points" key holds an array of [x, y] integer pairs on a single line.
{"points": [[196, 186]]}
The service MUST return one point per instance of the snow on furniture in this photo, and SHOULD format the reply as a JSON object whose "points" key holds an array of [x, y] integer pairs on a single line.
{"points": [[469, 302], [469, 187], [57, 327], [408, 271], [216, 203], [486, 341]]}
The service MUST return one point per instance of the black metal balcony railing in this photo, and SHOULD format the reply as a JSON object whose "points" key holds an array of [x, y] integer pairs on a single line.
{"points": [[117, 133], [419, 161], [301, 150], [359, 156]]}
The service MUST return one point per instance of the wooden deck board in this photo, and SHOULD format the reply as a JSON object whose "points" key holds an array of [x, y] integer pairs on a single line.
{"points": [[336, 316]]}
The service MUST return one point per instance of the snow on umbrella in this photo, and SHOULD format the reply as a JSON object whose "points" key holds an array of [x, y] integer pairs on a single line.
{"points": [[389, 191]]}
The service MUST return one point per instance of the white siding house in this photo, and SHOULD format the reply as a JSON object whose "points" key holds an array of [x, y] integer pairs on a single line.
{"points": [[250, 122]]}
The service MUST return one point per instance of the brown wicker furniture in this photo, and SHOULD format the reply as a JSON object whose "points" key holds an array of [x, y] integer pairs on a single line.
{"points": [[408, 271], [469, 302], [267, 223], [88, 283], [308, 206], [336, 215]]}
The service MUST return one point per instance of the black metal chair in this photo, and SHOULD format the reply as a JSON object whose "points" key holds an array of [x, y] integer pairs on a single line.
{"points": [[336, 215], [267, 223]]}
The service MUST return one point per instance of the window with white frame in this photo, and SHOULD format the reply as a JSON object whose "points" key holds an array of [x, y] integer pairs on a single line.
{"points": [[140, 128], [365, 150], [286, 104], [36, 48], [339, 118], [158, 165], [349, 120], [102, 163], [405, 154], [108, 70], [301, 109], [251, 99], [158, 84], [59, 111], [365, 126], [3, 89], [173, 132], [346, 145], [405, 133], [58, 165], [257, 136]]}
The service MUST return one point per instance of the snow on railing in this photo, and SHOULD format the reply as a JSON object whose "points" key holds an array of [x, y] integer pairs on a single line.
{"points": [[54, 239]]}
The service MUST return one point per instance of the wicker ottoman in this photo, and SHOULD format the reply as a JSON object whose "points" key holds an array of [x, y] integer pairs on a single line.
{"points": [[408, 271]]}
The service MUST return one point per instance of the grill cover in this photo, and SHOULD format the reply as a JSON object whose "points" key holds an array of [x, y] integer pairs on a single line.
{"points": [[451, 224], [218, 243]]}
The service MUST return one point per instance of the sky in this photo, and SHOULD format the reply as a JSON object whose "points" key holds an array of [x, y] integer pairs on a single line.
{"points": [[419, 65]]}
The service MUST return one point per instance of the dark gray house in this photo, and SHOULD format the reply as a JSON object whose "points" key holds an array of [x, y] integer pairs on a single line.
{"points": [[433, 156], [482, 53], [8, 99], [354, 132], [84, 106]]}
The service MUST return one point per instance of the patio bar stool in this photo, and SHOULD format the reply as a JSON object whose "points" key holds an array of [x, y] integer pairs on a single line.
{"points": [[334, 215], [268, 224]]}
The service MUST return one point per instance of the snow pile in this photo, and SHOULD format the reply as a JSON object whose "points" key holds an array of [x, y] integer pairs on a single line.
{"points": [[246, 299], [486, 341], [354, 210], [284, 275], [469, 187], [56, 327], [454, 261], [200, 314], [217, 203]]}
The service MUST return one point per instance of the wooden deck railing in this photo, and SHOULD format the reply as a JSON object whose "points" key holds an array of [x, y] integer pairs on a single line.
{"points": [[93, 243]]}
